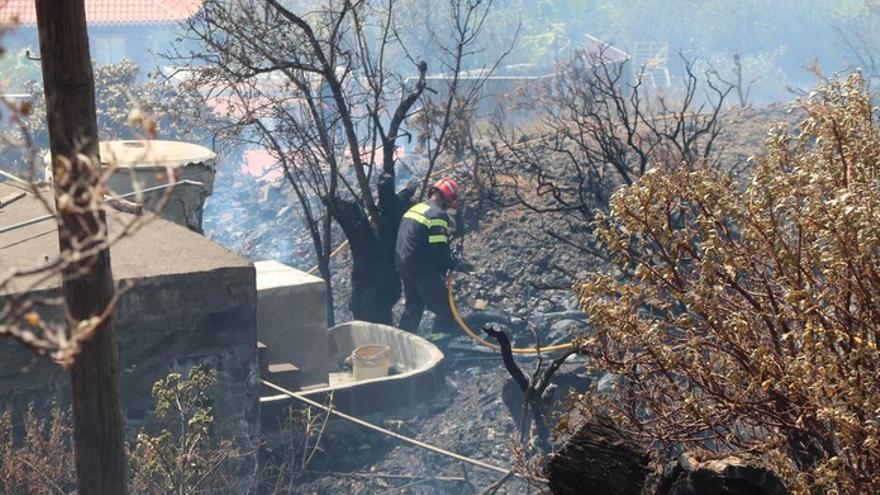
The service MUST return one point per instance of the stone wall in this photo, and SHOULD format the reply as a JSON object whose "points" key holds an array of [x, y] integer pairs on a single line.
{"points": [[165, 323]]}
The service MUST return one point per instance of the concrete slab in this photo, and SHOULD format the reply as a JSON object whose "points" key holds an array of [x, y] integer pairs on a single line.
{"points": [[157, 248], [292, 319], [273, 275]]}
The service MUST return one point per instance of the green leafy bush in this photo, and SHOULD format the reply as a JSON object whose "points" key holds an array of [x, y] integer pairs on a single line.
{"points": [[182, 459]]}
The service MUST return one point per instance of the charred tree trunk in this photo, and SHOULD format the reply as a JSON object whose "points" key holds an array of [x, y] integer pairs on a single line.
{"points": [[536, 393], [375, 284], [599, 459], [88, 283], [324, 254], [329, 305]]}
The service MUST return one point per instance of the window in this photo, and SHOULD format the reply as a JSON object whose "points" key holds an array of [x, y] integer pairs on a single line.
{"points": [[108, 49]]}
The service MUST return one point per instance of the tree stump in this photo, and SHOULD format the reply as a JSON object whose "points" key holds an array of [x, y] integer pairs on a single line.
{"points": [[727, 476], [600, 459]]}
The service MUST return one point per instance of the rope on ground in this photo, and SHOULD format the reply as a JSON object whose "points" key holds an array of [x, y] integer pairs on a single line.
{"points": [[389, 433], [14, 178]]}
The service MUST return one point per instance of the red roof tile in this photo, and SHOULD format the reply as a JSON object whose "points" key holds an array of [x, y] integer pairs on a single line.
{"points": [[112, 12]]}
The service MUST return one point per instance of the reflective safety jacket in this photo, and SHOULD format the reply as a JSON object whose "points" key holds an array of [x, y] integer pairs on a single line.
{"points": [[423, 239]]}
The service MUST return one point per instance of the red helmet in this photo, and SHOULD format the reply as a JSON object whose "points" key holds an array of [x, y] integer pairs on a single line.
{"points": [[449, 190]]}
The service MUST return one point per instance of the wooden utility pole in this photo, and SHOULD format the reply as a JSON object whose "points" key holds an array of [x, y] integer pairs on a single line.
{"points": [[73, 131]]}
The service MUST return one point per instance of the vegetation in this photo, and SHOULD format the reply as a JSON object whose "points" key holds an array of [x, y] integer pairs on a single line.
{"points": [[180, 459], [738, 312], [745, 317], [42, 460], [597, 132], [316, 90], [300, 441]]}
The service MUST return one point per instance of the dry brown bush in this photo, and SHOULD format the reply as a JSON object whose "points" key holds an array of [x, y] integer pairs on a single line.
{"points": [[41, 461], [746, 317]]}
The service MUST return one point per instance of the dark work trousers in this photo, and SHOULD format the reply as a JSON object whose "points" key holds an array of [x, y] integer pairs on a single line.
{"points": [[425, 287]]}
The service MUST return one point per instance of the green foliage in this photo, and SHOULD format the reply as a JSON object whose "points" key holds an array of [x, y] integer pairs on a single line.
{"points": [[745, 317], [181, 459]]}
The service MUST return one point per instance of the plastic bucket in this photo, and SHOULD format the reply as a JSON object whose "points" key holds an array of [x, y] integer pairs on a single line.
{"points": [[370, 361]]}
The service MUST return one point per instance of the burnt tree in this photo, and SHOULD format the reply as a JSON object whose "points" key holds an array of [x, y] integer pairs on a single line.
{"points": [[535, 393], [599, 130], [323, 92], [87, 286]]}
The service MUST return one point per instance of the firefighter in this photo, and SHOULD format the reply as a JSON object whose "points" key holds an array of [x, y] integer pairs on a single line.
{"points": [[423, 257]]}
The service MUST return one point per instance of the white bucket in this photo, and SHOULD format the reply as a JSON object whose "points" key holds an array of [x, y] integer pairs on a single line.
{"points": [[370, 361]]}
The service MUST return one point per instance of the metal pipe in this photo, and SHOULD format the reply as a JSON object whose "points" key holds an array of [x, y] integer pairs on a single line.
{"points": [[14, 178], [39, 219], [32, 221]]}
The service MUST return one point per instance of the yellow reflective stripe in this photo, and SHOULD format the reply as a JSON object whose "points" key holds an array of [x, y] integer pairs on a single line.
{"points": [[418, 217], [434, 239], [421, 208], [437, 222]]}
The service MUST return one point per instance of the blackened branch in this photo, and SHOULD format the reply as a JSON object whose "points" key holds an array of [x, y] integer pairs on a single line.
{"points": [[507, 356]]}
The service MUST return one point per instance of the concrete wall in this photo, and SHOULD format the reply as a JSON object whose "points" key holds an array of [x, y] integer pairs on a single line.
{"points": [[292, 319], [422, 378], [165, 323], [186, 204]]}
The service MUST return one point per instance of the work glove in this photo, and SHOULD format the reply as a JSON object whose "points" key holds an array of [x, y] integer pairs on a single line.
{"points": [[462, 266]]}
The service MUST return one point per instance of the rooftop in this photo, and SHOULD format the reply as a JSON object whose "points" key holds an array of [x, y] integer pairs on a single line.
{"points": [[158, 248], [109, 12]]}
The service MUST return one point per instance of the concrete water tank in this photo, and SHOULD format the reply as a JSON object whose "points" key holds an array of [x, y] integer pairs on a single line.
{"points": [[143, 164], [146, 163]]}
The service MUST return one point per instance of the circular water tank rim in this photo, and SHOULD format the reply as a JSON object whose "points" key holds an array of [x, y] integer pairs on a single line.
{"points": [[188, 153], [436, 357], [163, 149]]}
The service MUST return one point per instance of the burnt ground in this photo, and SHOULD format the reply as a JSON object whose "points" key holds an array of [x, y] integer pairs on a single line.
{"points": [[521, 273], [470, 417]]}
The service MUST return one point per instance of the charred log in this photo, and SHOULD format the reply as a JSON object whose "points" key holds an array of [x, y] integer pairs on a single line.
{"points": [[728, 476], [600, 458]]}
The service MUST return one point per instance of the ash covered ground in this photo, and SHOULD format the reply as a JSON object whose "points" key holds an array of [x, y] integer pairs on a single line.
{"points": [[522, 275]]}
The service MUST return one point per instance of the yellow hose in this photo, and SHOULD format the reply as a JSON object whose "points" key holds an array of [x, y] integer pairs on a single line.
{"points": [[480, 340], [462, 324]]}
